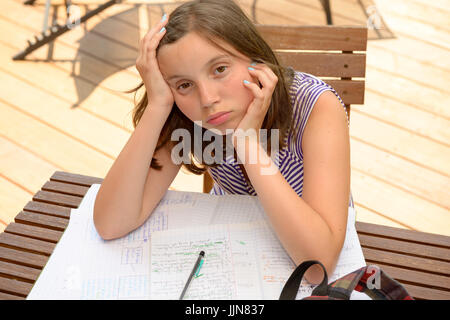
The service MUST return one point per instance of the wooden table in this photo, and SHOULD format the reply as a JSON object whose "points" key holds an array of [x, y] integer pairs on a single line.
{"points": [[420, 261]]}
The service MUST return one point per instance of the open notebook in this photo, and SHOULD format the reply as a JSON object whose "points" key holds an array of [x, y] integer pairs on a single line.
{"points": [[244, 259]]}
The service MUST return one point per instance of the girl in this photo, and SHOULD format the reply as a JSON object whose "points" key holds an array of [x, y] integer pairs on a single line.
{"points": [[207, 65]]}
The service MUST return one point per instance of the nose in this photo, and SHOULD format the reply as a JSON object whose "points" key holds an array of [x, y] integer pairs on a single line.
{"points": [[208, 92]]}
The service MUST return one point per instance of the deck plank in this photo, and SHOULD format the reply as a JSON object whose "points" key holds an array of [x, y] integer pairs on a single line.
{"points": [[401, 173], [71, 155], [409, 118], [102, 103], [34, 170], [57, 114], [403, 20], [12, 198], [368, 215], [401, 206], [415, 148], [401, 89]]}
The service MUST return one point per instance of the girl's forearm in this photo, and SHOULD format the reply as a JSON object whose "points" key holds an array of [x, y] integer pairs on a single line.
{"points": [[119, 199], [303, 232]]}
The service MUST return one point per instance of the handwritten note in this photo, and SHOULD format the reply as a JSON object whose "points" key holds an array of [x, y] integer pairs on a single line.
{"points": [[227, 271], [249, 256]]}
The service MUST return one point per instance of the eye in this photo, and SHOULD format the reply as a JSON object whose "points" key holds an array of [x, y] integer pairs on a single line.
{"points": [[221, 69], [183, 86]]}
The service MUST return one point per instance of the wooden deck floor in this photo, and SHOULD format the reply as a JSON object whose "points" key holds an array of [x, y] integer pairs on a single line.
{"points": [[62, 108]]}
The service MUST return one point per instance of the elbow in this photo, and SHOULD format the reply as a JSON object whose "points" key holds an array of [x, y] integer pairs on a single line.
{"points": [[99, 219], [108, 228], [103, 232], [315, 274]]}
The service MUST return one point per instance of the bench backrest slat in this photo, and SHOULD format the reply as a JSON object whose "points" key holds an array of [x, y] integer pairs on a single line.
{"points": [[338, 38], [336, 54]]}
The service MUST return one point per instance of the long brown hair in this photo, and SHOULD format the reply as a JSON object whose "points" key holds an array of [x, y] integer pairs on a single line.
{"points": [[224, 20]]}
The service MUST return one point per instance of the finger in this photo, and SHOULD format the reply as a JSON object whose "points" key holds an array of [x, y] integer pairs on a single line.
{"points": [[157, 27], [150, 44], [269, 73], [154, 42], [263, 67], [265, 78], [153, 31], [255, 89]]}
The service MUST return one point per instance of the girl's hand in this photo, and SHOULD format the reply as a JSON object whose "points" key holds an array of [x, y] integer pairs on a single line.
{"points": [[158, 92], [257, 109]]}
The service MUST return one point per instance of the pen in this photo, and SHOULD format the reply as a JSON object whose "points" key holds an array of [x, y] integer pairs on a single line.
{"points": [[196, 269]]}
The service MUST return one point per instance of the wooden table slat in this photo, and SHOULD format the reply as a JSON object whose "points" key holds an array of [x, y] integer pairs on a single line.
{"points": [[65, 188], [34, 232], [417, 277], [17, 271], [23, 258], [13, 286], [403, 234], [42, 220], [47, 208], [58, 199], [75, 178], [422, 293], [373, 256], [32, 245], [6, 296], [405, 247]]}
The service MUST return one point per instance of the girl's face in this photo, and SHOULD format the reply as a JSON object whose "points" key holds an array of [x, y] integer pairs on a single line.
{"points": [[206, 81]]}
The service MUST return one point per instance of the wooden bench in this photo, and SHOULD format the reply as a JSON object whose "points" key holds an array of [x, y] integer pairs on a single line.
{"points": [[335, 54], [420, 261]]}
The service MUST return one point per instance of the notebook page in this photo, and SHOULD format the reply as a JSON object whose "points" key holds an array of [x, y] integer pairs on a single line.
{"points": [[238, 209], [229, 270], [259, 262], [188, 208], [274, 264]]}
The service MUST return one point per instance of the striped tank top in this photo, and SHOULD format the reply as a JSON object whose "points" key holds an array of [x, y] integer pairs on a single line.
{"points": [[304, 92]]}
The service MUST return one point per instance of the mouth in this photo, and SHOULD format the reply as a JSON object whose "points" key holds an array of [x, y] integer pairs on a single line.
{"points": [[218, 118]]}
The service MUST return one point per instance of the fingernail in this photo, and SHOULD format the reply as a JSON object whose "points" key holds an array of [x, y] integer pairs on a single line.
{"points": [[250, 68], [164, 17], [162, 30], [253, 63], [246, 82]]}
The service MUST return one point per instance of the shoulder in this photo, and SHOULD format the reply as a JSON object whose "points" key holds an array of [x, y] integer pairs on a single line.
{"points": [[327, 126], [303, 81], [306, 88], [305, 91], [311, 95], [328, 111]]}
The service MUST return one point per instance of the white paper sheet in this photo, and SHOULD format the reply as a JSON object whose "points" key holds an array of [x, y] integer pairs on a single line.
{"points": [[84, 266]]}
